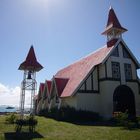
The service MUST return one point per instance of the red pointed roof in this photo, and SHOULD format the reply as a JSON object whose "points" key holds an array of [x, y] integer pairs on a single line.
{"points": [[31, 62], [60, 84], [113, 22], [79, 70], [47, 88], [49, 84]]}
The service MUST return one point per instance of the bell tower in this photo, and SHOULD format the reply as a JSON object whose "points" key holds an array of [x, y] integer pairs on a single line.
{"points": [[113, 29], [30, 66]]}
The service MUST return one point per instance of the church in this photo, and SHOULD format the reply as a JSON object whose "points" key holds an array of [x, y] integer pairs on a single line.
{"points": [[105, 81]]}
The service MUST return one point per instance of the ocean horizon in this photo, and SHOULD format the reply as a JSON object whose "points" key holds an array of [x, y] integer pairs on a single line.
{"points": [[10, 108]]}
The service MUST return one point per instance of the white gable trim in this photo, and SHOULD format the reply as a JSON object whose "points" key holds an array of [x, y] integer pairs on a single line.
{"points": [[126, 47]]}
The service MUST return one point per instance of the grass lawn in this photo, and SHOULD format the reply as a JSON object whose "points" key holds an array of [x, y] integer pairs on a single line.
{"points": [[49, 129]]}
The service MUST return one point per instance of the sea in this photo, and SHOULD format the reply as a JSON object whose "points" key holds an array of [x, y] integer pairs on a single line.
{"points": [[6, 108], [9, 109]]}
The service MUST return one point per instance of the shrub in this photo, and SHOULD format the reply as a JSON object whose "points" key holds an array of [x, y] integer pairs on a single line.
{"points": [[28, 121], [70, 114], [11, 119], [124, 119], [121, 118], [43, 112]]}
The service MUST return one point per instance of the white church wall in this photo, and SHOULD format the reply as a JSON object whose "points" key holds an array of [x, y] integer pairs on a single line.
{"points": [[82, 87], [108, 67], [134, 72], [95, 79], [69, 101], [52, 98], [135, 88], [106, 101], [102, 71], [45, 104], [88, 83], [88, 102], [39, 106]]}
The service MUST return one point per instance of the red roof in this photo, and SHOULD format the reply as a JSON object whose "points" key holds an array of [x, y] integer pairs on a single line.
{"points": [[49, 84], [79, 70], [31, 62], [47, 88], [60, 84], [113, 22]]}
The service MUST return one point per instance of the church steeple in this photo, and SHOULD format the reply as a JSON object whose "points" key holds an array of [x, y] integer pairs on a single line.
{"points": [[113, 29]]}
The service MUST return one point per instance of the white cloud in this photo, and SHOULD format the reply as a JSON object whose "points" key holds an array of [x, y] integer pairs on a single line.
{"points": [[3, 89], [11, 96]]}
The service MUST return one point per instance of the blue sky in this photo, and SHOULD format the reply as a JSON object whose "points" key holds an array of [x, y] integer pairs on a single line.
{"points": [[61, 31]]}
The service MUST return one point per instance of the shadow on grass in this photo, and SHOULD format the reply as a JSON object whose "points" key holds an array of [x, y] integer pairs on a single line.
{"points": [[21, 136], [96, 123], [93, 123], [106, 123]]}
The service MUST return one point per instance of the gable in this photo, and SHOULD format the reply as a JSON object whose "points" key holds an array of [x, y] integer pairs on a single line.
{"points": [[47, 89], [125, 50], [45, 95], [60, 84], [78, 71], [90, 83], [115, 52], [49, 85]]}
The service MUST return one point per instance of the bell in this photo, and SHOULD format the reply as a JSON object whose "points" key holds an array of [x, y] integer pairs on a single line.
{"points": [[29, 75]]}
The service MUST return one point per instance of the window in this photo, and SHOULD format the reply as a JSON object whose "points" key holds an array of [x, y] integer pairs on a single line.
{"points": [[115, 52], [125, 54], [115, 70], [128, 71]]}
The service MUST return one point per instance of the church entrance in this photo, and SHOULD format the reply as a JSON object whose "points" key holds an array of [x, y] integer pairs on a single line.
{"points": [[123, 100]]}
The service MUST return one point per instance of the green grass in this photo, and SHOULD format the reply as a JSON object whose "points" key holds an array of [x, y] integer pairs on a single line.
{"points": [[50, 129]]}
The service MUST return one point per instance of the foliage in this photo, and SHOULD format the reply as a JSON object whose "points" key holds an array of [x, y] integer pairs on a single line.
{"points": [[11, 118], [28, 121], [31, 121], [123, 119], [70, 114], [43, 112]]}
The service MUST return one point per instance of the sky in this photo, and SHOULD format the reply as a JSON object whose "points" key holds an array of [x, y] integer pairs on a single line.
{"points": [[61, 31]]}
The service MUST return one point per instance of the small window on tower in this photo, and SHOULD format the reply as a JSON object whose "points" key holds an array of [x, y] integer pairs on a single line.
{"points": [[115, 52], [115, 70]]}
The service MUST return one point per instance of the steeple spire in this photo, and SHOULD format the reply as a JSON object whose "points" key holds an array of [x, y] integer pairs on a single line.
{"points": [[113, 28], [31, 62]]}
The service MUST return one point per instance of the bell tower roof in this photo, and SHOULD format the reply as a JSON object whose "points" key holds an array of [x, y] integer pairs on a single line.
{"points": [[113, 23], [31, 62]]}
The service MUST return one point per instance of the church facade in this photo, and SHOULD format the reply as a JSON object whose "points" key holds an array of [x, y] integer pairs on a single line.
{"points": [[105, 81]]}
